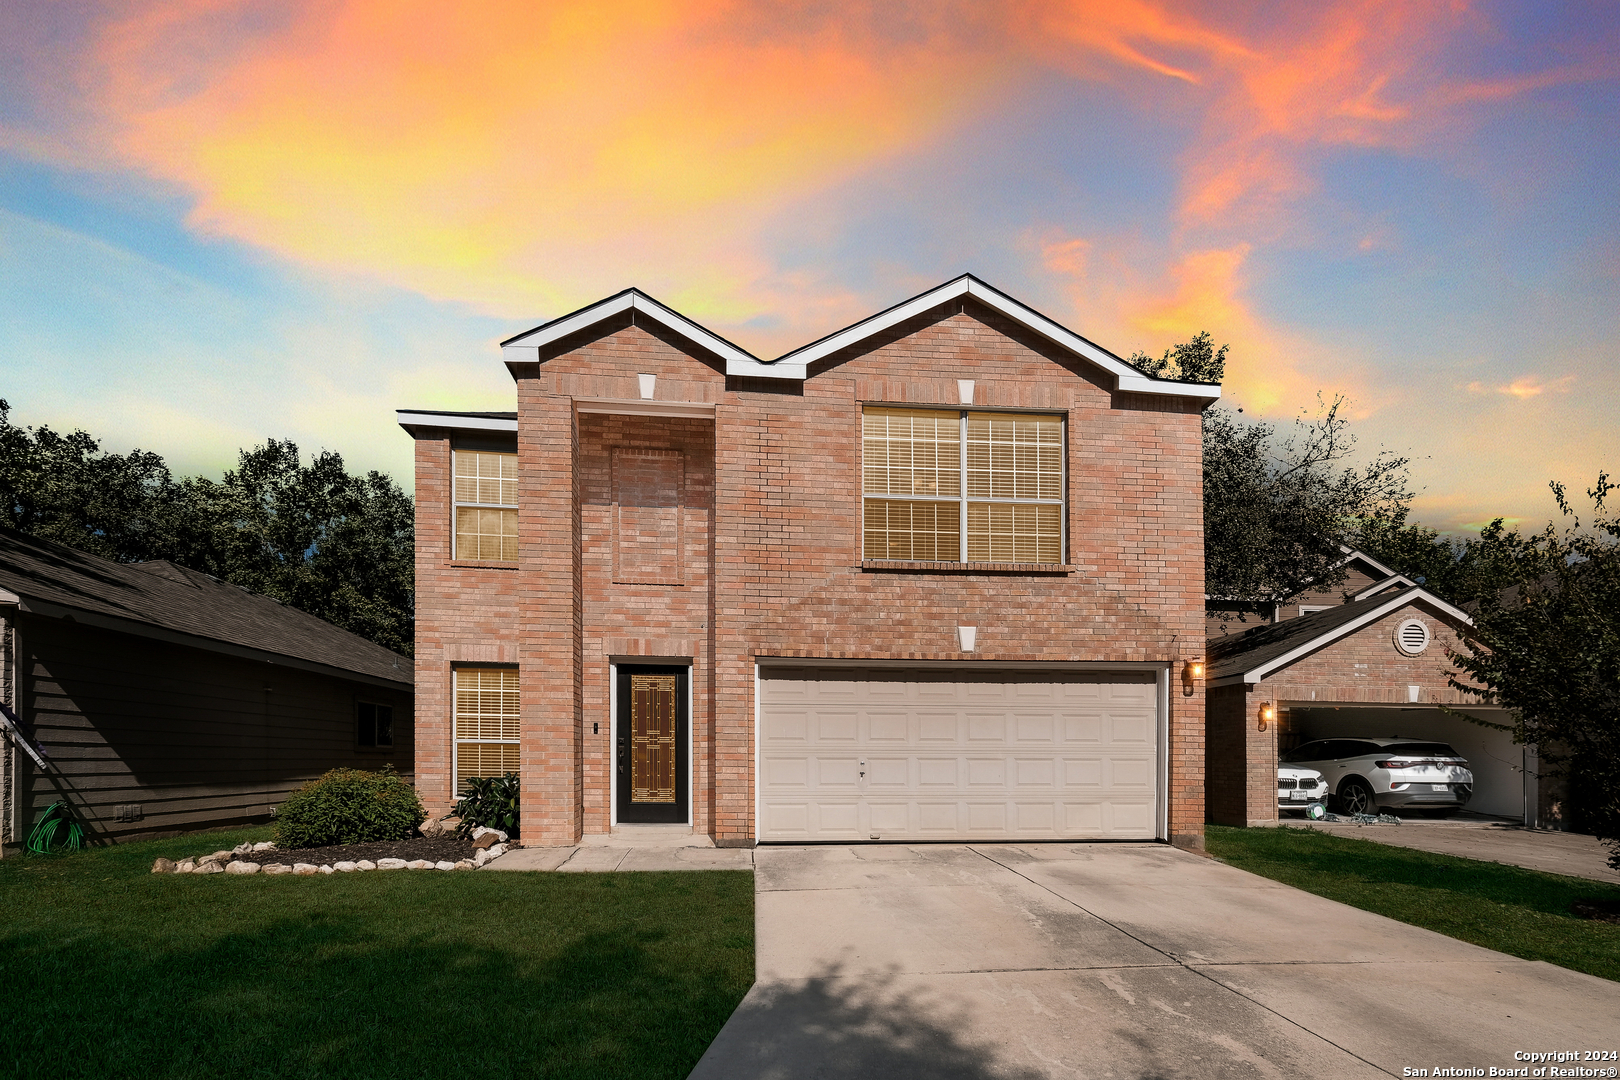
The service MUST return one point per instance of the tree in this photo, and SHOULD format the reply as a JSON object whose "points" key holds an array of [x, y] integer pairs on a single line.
{"points": [[1279, 510], [315, 537], [1192, 361], [1548, 649]]}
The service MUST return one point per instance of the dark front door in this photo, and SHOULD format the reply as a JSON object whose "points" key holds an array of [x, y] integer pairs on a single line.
{"points": [[650, 743]]}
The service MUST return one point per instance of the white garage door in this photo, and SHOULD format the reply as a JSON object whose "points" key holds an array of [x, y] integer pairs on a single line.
{"points": [[947, 755]]}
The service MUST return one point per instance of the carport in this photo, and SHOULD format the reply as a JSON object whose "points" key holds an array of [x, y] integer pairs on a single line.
{"points": [[1376, 666]]}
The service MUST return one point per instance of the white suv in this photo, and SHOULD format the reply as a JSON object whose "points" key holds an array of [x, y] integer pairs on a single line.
{"points": [[1297, 788], [1368, 775]]}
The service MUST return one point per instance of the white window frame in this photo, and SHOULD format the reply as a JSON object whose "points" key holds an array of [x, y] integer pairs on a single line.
{"points": [[455, 738], [963, 499], [456, 504]]}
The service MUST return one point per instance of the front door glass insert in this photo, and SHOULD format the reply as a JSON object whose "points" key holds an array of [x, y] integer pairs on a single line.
{"points": [[653, 730]]}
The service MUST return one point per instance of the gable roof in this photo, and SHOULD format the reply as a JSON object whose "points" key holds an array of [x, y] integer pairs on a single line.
{"points": [[166, 601], [1254, 654], [525, 347]]}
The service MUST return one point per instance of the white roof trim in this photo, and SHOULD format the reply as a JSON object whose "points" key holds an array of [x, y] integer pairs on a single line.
{"points": [[525, 348], [1379, 586], [1352, 554], [1126, 377], [1399, 600], [645, 407], [409, 418], [9, 598]]}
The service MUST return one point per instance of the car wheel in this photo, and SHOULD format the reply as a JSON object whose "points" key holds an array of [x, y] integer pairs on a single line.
{"points": [[1355, 797]]}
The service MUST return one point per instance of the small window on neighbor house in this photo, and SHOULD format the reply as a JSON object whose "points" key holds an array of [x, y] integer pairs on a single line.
{"points": [[486, 723], [962, 486], [374, 724], [486, 485]]}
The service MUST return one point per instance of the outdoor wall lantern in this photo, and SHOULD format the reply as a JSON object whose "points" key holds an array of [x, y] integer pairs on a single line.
{"points": [[1191, 672], [1268, 712]]}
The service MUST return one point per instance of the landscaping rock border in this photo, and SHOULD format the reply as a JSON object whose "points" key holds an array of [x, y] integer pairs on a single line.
{"points": [[238, 861]]}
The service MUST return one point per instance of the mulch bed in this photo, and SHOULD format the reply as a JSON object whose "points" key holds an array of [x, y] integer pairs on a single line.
{"points": [[1601, 910], [433, 849]]}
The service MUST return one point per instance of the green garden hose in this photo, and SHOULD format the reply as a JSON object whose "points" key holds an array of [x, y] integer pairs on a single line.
{"points": [[42, 841]]}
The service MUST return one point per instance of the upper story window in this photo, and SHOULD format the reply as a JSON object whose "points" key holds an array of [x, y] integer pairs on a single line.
{"points": [[958, 485], [486, 505]]}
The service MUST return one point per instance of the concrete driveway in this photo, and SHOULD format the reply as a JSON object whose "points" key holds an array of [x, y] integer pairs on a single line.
{"points": [[1106, 960]]}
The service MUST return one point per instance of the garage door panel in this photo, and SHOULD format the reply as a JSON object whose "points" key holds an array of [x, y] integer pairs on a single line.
{"points": [[987, 772], [987, 727], [884, 726], [902, 754], [1035, 772], [837, 726]]}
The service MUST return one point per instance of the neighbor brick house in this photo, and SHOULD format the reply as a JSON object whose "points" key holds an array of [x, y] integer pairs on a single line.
{"points": [[938, 575]]}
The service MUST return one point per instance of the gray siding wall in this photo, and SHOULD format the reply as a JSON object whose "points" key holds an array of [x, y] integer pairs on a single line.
{"points": [[194, 739]]}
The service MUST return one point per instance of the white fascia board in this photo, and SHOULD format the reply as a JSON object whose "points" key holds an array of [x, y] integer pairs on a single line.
{"points": [[645, 407], [1379, 586], [1254, 675], [1126, 377], [9, 598], [526, 347], [1352, 554], [409, 419]]}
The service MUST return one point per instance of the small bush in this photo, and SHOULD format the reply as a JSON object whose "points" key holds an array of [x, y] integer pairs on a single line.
{"points": [[490, 801], [349, 806]]}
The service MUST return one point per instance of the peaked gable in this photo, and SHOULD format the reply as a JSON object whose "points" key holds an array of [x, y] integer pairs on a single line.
{"points": [[525, 348]]}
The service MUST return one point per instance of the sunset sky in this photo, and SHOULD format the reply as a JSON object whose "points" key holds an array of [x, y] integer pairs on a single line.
{"points": [[222, 221]]}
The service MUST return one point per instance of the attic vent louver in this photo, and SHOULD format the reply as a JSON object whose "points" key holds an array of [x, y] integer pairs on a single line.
{"points": [[1412, 637]]}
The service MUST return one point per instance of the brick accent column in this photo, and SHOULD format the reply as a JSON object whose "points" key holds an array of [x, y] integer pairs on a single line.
{"points": [[549, 639], [1242, 765]]}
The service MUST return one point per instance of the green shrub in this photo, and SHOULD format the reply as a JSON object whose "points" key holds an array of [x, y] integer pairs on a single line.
{"points": [[349, 806], [491, 801]]}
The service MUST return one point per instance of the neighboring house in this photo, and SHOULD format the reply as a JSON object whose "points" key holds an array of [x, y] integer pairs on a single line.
{"points": [[166, 700], [1363, 576], [938, 575], [1373, 663]]}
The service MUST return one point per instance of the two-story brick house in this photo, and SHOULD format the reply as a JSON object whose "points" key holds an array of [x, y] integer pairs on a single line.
{"points": [[938, 575]]}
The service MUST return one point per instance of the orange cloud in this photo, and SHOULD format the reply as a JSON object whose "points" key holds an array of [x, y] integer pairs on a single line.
{"points": [[1524, 387]]}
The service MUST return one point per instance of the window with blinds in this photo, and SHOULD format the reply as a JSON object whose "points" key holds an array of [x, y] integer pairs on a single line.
{"points": [[962, 486], [486, 723], [486, 505]]}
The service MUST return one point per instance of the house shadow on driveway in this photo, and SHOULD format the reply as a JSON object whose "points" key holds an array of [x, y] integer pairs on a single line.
{"points": [[837, 1026]]}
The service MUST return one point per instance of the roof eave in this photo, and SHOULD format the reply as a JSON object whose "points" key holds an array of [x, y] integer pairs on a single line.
{"points": [[1327, 637], [1126, 377], [412, 420], [524, 348]]}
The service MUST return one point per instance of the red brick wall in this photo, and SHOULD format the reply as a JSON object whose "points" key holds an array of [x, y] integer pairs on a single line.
{"points": [[466, 613], [1241, 772], [773, 547], [1367, 667]]}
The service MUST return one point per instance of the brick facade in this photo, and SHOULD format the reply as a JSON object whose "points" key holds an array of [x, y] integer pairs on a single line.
{"points": [[771, 562], [1364, 667]]}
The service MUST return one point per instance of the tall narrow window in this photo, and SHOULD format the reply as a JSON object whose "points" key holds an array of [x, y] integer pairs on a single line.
{"points": [[486, 506], [962, 486], [486, 722]]}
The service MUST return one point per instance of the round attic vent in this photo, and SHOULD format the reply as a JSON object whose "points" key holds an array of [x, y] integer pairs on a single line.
{"points": [[1412, 637]]}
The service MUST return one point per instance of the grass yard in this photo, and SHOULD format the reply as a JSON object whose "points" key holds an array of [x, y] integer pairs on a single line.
{"points": [[1524, 913], [111, 971]]}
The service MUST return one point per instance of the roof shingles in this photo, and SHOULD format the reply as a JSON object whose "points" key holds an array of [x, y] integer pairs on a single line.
{"points": [[170, 597]]}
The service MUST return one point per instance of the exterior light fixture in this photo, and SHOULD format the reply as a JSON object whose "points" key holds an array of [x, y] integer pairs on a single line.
{"points": [[1268, 713], [1193, 670]]}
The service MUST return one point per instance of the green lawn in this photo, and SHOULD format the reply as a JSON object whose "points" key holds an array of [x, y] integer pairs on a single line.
{"points": [[1523, 913], [112, 971]]}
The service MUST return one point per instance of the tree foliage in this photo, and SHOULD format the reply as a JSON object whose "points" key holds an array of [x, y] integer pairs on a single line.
{"points": [[315, 537], [1280, 509], [1192, 361], [1548, 649]]}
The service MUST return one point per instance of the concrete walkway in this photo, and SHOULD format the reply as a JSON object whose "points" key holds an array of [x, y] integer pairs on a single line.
{"points": [[631, 847], [1058, 960], [1570, 854]]}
